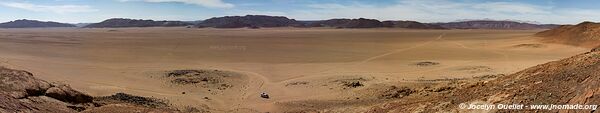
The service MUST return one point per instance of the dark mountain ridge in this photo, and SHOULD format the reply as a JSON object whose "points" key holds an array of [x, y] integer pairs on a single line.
{"points": [[123, 22], [348, 23], [24, 23], [411, 25], [258, 21], [494, 24], [250, 21]]}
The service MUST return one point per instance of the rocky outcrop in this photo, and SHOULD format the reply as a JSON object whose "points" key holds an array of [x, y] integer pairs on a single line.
{"points": [[22, 84], [32, 24], [132, 99], [249, 21], [586, 34], [574, 80], [65, 93], [348, 23], [20, 92], [596, 49], [122, 22], [493, 24], [122, 108]]}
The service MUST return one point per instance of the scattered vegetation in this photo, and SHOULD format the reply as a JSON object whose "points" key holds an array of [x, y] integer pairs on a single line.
{"points": [[132, 99], [426, 63]]}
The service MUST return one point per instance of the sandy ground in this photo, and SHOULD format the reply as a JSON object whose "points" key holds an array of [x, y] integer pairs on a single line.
{"points": [[292, 65]]}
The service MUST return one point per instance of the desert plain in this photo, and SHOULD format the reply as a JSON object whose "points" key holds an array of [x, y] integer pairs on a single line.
{"points": [[297, 67]]}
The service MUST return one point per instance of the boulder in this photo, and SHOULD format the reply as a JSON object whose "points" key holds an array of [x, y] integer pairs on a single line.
{"points": [[20, 84], [67, 94], [596, 49], [21, 92]]}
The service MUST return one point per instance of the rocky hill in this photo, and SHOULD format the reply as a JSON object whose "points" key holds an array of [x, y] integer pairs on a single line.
{"points": [[574, 80], [410, 25], [493, 24], [257, 21], [32, 24], [21, 92], [122, 22], [585, 34], [348, 23], [249, 21]]}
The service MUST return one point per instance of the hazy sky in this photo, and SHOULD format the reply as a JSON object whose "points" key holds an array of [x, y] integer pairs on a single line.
{"points": [[74, 11]]}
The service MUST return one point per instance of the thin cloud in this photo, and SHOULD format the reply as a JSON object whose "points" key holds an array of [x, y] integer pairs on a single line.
{"points": [[50, 8], [508, 7], [445, 10], [327, 6], [205, 3], [253, 12]]}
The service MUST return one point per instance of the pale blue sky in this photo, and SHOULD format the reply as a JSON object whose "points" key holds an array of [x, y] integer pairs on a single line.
{"points": [[75, 11]]}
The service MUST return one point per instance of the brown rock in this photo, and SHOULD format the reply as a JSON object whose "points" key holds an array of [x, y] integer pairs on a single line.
{"points": [[72, 96], [596, 49], [56, 93], [21, 84], [21, 92]]}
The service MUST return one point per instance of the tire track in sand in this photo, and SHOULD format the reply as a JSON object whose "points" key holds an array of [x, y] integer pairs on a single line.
{"points": [[386, 54], [399, 50], [504, 55]]}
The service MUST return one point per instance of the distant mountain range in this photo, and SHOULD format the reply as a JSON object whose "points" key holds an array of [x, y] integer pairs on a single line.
{"points": [[493, 24], [32, 24], [278, 21], [258, 21], [122, 22], [411, 25], [348, 23], [249, 21]]}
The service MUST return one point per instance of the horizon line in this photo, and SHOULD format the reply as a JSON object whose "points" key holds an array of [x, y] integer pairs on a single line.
{"points": [[458, 20]]}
